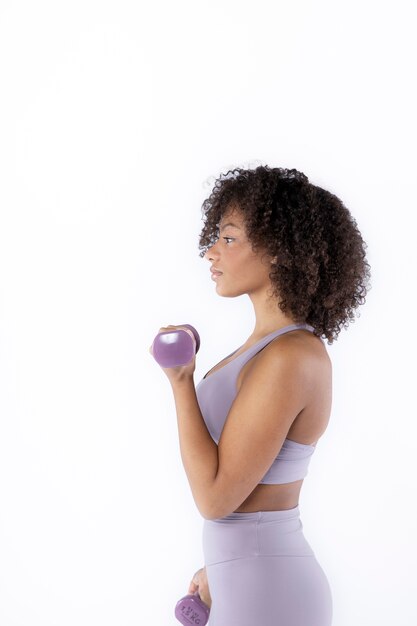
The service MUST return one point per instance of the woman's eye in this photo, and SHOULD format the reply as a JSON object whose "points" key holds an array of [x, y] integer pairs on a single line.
{"points": [[231, 239]]}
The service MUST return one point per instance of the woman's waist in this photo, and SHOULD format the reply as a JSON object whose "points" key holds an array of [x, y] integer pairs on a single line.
{"points": [[260, 533], [260, 516]]}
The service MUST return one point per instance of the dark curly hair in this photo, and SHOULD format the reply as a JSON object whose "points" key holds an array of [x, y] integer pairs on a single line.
{"points": [[321, 273]]}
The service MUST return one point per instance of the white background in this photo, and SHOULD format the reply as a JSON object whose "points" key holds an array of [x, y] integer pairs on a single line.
{"points": [[115, 117]]}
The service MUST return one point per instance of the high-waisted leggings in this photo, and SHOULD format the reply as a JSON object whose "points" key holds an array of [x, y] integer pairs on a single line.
{"points": [[261, 571]]}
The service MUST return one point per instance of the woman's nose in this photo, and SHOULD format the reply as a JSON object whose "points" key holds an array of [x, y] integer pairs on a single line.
{"points": [[209, 254]]}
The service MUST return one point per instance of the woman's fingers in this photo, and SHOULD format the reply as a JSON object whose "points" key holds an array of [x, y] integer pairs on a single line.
{"points": [[199, 583]]}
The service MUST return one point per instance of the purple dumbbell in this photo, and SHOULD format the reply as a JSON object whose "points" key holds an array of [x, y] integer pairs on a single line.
{"points": [[192, 610], [175, 347]]}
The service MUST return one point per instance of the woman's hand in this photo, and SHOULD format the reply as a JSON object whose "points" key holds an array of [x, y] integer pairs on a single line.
{"points": [[199, 583], [180, 372]]}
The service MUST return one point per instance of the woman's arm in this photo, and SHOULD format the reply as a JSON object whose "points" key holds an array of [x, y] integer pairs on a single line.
{"points": [[198, 450], [272, 394]]}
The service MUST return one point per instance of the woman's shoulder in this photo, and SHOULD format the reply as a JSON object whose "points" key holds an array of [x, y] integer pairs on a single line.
{"points": [[302, 347]]}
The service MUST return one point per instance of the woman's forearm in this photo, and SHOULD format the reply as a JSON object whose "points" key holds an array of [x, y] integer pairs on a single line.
{"points": [[198, 450]]}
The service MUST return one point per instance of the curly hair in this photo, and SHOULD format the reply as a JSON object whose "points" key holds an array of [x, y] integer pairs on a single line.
{"points": [[321, 273]]}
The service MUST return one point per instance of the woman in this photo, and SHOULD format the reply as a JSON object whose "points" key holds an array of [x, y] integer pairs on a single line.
{"points": [[248, 430]]}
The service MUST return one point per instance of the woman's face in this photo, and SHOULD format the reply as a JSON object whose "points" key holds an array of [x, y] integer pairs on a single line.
{"points": [[243, 271]]}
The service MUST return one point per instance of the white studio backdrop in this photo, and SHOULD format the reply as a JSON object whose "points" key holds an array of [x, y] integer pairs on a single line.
{"points": [[115, 118]]}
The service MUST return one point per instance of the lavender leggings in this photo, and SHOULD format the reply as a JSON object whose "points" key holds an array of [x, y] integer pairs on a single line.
{"points": [[262, 571]]}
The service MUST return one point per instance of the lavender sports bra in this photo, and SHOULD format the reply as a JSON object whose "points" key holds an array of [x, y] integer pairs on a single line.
{"points": [[215, 395]]}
